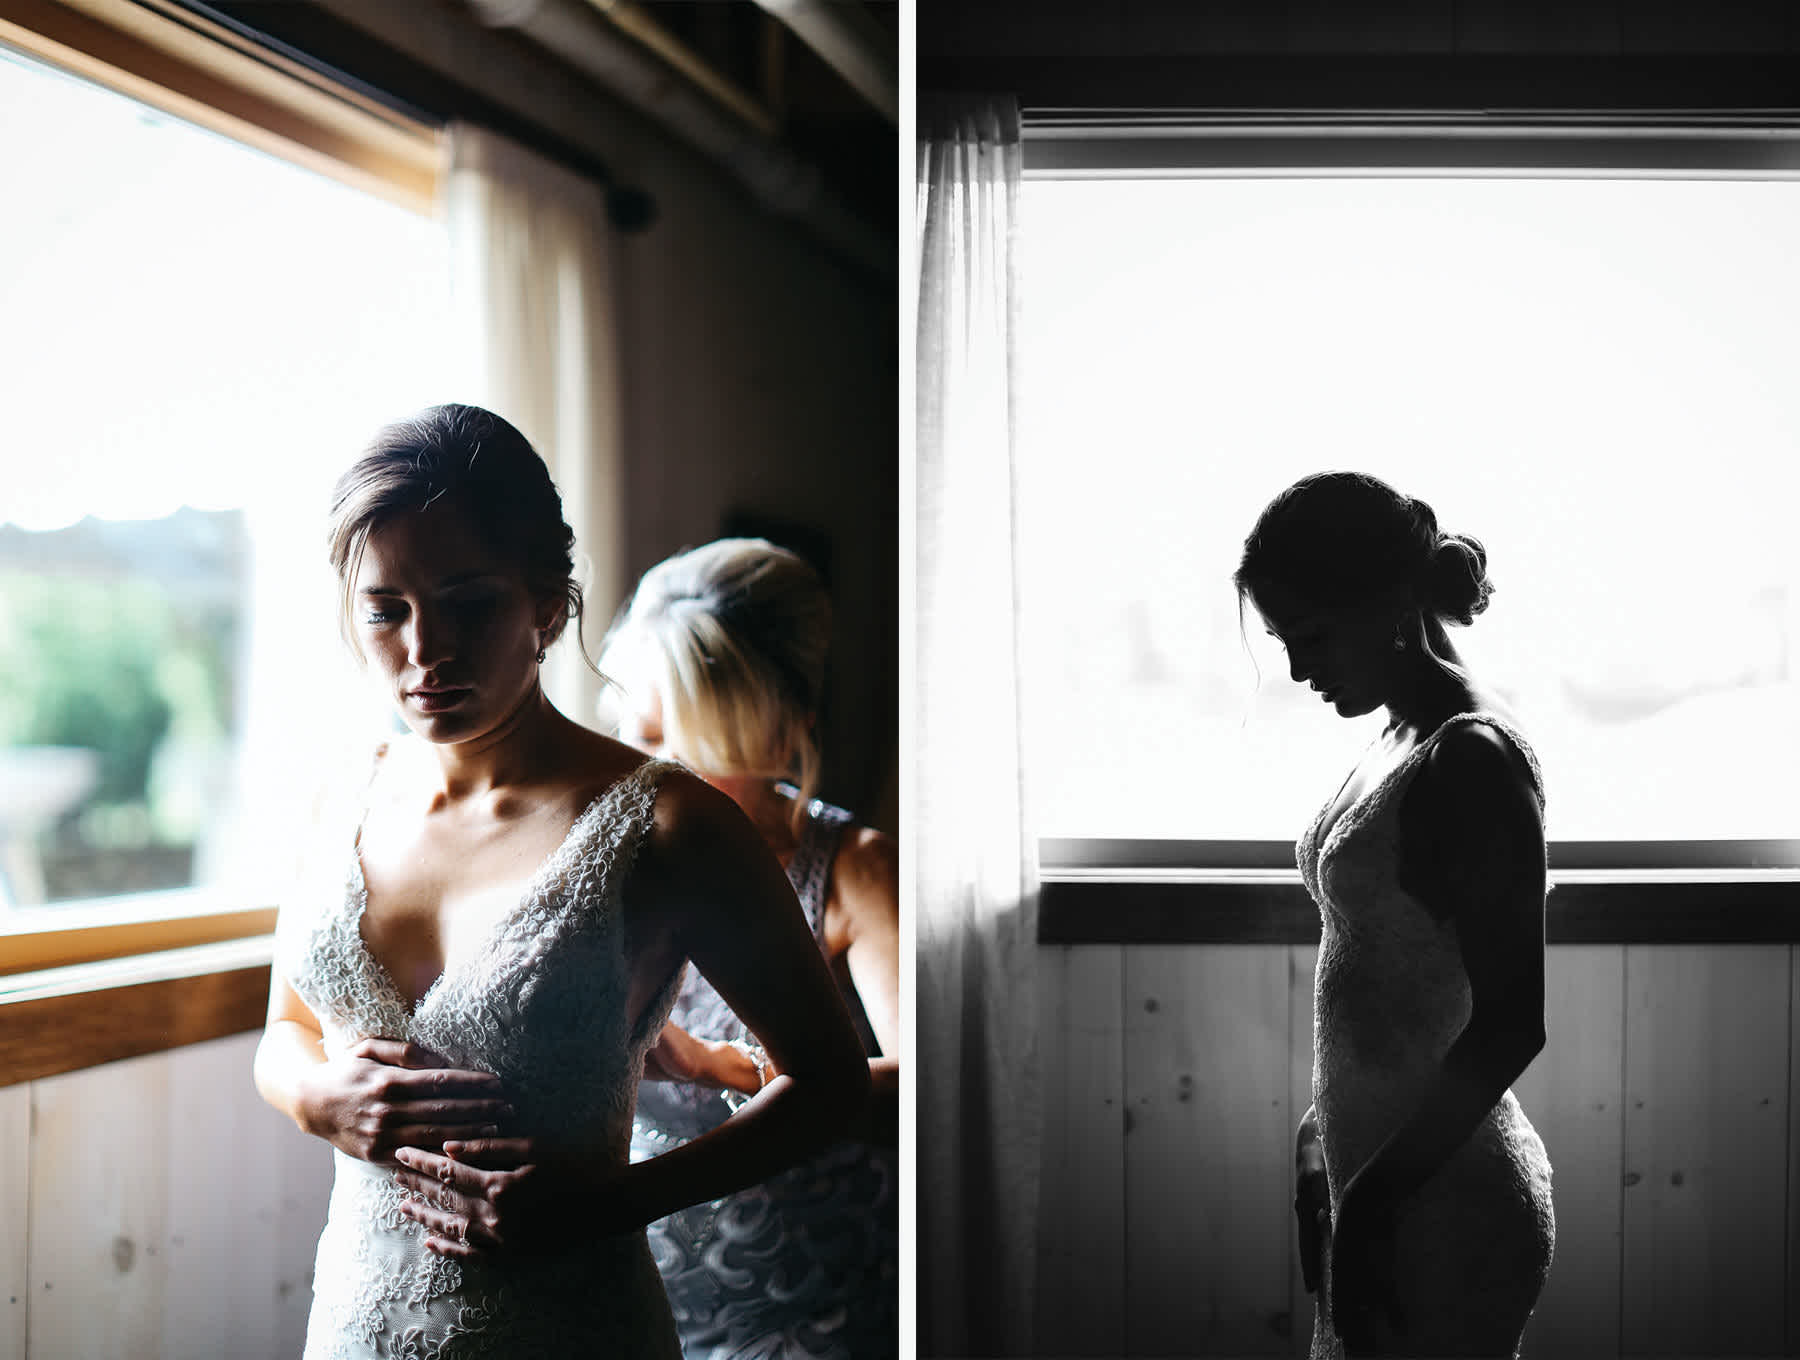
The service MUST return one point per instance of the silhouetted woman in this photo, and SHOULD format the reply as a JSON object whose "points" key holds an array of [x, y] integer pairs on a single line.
{"points": [[1424, 1194]]}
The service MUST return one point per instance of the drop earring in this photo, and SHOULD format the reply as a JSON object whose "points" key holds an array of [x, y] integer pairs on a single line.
{"points": [[542, 652], [1399, 639]]}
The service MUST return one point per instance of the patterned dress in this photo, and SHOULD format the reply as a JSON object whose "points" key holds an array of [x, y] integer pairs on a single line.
{"points": [[805, 1264], [542, 1004], [1473, 1245]]}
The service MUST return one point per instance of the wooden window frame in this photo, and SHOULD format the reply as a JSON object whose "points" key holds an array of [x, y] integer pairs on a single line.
{"points": [[90, 982], [172, 59], [1213, 892]]}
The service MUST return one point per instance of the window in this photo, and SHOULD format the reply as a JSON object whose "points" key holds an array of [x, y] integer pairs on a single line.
{"points": [[1590, 371], [199, 337]]}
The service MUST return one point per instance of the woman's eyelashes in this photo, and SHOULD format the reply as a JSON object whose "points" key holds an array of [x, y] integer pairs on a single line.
{"points": [[469, 608], [1289, 643]]}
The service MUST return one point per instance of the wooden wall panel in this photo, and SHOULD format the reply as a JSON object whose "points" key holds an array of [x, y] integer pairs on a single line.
{"points": [[15, 1201], [1669, 1099], [99, 1224], [1081, 1223], [1706, 1149], [1574, 1095], [1207, 1150], [174, 1214], [235, 1220]]}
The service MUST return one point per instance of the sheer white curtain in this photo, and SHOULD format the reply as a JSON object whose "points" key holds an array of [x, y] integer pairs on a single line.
{"points": [[533, 284], [979, 1107]]}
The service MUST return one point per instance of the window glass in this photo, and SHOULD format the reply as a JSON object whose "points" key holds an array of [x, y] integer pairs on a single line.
{"points": [[1592, 376], [198, 338]]}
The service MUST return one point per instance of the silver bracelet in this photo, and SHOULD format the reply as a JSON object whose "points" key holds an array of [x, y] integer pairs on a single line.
{"points": [[736, 1100]]}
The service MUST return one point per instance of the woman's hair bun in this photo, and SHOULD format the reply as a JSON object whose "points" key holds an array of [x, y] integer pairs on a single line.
{"points": [[1456, 583]]}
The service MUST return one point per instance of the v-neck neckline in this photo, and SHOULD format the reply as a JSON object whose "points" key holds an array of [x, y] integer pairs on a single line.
{"points": [[1328, 830], [360, 886], [1328, 824]]}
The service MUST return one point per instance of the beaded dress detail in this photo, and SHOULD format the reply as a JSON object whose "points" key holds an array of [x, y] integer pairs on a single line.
{"points": [[1390, 996], [542, 1004], [805, 1265]]}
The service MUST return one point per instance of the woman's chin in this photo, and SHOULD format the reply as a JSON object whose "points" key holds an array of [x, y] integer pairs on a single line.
{"points": [[440, 728]]}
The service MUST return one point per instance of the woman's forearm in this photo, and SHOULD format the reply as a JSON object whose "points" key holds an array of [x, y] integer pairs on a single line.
{"points": [[287, 1053], [787, 1122], [1483, 1062], [879, 1121]]}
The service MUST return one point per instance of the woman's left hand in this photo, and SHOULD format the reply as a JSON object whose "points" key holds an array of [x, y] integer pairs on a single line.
{"points": [[506, 1194], [1364, 1295]]}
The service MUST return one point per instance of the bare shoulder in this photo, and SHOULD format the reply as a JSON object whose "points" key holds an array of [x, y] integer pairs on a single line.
{"points": [[1474, 763], [865, 872], [1472, 825], [692, 821], [590, 761]]}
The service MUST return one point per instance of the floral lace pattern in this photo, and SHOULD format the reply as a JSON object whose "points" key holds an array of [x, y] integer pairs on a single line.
{"points": [[542, 1003], [805, 1265], [1390, 996]]}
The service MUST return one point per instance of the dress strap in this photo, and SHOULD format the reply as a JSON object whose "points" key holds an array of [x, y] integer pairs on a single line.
{"points": [[809, 867], [377, 758], [624, 810]]}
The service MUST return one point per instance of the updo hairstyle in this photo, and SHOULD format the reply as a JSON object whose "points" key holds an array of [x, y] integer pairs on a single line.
{"points": [[478, 463], [732, 636], [1342, 538]]}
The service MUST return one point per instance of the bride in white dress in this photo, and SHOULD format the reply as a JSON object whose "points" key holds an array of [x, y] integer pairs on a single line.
{"points": [[1424, 1193], [462, 1001]]}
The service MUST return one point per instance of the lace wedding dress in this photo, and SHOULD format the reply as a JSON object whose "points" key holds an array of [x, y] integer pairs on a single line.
{"points": [[542, 1004], [1474, 1243], [805, 1265]]}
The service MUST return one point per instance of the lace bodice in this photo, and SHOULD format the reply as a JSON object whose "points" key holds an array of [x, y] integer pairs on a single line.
{"points": [[1391, 993], [542, 1003]]}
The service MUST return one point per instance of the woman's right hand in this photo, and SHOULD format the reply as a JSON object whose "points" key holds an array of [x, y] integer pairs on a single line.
{"points": [[382, 1094], [679, 1056]]}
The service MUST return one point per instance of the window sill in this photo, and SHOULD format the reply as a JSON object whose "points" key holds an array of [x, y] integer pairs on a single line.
{"points": [[1639, 906], [56, 1020], [36, 938]]}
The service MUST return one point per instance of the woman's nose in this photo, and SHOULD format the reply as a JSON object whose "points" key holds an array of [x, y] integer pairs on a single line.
{"points": [[430, 640]]}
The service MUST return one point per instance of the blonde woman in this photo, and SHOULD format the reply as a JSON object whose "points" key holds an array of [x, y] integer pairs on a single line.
{"points": [[463, 1006], [719, 661]]}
